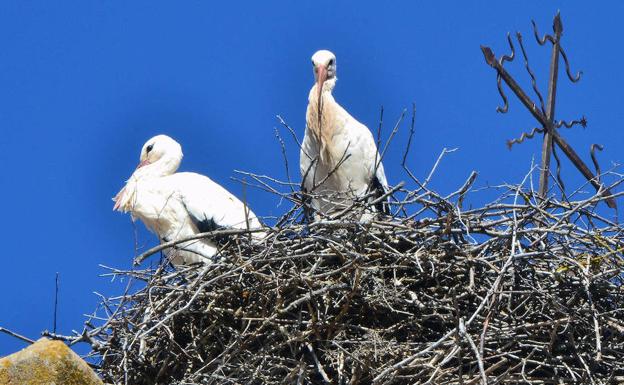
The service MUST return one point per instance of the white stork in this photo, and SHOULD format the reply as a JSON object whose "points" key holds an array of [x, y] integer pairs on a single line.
{"points": [[178, 205], [339, 160]]}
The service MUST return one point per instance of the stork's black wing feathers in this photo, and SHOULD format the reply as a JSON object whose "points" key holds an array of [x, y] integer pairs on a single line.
{"points": [[380, 190], [306, 203], [205, 224]]}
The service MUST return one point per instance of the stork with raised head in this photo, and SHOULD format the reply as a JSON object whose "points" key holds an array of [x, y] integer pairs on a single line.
{"points": [[179, 205], [339, 160]]}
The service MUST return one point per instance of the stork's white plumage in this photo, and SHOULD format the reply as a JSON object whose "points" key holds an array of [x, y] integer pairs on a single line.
{"points": [[178, 205], [339, 159]]}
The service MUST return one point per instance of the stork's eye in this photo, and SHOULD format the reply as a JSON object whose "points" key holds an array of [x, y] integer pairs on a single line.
{"points": [[149, 148], [331, 63]]}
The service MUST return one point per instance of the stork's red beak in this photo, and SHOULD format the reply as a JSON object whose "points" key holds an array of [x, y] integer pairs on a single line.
{"points": [[143, 163], [321, 76]]}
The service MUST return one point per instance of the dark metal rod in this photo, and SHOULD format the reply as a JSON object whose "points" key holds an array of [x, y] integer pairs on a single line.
{"points": [[550, 108], [576, 160], [490, 59], [56, 289]]}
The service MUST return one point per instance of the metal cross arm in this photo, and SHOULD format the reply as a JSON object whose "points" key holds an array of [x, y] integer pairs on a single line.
{"points": [[545, 115]]}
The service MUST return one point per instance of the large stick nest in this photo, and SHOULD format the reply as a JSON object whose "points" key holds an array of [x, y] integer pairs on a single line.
{"points": [[522, 290]]}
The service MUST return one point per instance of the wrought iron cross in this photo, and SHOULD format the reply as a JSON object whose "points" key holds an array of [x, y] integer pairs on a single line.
{"points": [[545, 114]]}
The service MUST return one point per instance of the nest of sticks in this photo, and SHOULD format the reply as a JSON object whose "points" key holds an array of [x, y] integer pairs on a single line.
{"points": [[521, 290]]}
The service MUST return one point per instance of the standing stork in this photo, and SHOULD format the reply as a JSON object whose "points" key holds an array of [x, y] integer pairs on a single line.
{"points": [[339, 160], [179, 205]]}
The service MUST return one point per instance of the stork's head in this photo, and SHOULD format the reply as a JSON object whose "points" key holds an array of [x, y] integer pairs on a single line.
{"points": [[162, 154], [324, 65]]}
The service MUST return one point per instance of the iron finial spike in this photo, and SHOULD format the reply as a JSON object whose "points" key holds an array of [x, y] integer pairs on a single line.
{"points": [[557, 24]]}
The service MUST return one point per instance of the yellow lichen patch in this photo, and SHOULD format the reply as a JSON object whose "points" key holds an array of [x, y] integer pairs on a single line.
{"points": [[46, 362]]}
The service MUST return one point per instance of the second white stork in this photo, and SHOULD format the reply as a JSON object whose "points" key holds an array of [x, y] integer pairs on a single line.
{"points": [[179, 205], [339, 160]]}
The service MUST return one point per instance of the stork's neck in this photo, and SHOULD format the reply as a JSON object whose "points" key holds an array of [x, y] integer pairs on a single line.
{"points": [[321, 117], [326, 92], [164, 166]]}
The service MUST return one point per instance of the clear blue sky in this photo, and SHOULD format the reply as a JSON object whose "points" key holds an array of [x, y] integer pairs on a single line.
{"points": [[84, 83]]}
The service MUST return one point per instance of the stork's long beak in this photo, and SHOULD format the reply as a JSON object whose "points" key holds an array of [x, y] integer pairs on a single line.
{"points": [[320, 79], [143, 163]]}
